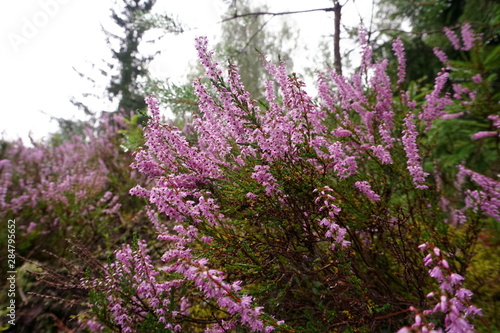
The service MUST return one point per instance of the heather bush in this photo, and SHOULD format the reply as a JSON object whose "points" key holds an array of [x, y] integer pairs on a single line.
{"points": [[75, 186], [67, 186], [296, 214]]}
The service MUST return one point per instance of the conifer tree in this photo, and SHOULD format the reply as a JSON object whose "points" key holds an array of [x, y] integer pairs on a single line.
{"points": [[132, 66]]}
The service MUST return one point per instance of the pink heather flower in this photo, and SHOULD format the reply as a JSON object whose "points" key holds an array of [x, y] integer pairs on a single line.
{"points": [[437, 273], [453, 300], [251, 196], [211, 283], [218, 123], [334, 231], [381, 84], [468, 37], [340, 132], [456, 279], [459, 90], [452, 36], [489, 185], [365, 188], [484, 134], [477, 78], [264, 177], [397, 46], [435, 104], [463, 293], [367, 49], [136, 267], [440, 55], [31, 227], [452, 115], [488, 199], [68, 174], [420, 325], [336, 157], [382, 153], [496, 120], [94, 326], [205, 58], [410, 146], [207, 239], [443, 304]]}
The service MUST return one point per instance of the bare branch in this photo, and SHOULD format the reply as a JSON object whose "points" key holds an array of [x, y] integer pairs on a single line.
{"points": [[417, 33], [236, 15]]}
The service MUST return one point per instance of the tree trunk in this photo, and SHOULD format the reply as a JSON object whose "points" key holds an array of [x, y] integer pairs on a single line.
{"points": [[337, 62]]}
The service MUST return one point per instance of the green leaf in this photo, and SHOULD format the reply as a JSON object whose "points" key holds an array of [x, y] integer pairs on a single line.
{"points": [[493, 59]]}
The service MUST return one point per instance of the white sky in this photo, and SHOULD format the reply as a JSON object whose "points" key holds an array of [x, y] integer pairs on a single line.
{"points": [[42, 40]]}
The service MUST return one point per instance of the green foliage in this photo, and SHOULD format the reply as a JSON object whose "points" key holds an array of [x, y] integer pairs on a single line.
{"points": [[483, 277], [133, 137], [427, 20], [180, 99], [452, 138]]}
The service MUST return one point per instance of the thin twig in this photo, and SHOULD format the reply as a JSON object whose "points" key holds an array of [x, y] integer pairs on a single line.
{"points": [[235, 16], [254, 35]]}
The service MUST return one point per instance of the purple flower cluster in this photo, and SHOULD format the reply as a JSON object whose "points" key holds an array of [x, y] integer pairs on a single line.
{"points": [[263, 176], [477, 78], [273, 158], [441, 55], [397, 46], [367, 50], [211, 282], [150, 296], [410, 146], [333, 229], [483, 134], [179, 169], [434, 108], [488, 198], [212, 71], [452, 37], [61, 183], [496, 121], [469, 37], [366, 189], [452, 299]]}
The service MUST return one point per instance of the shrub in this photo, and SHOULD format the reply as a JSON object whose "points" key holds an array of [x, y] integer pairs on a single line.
{"points": [[68, 187], [303, 215]]}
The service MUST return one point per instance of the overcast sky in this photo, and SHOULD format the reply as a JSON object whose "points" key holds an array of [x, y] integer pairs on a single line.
{"points": [[42, 40]]}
